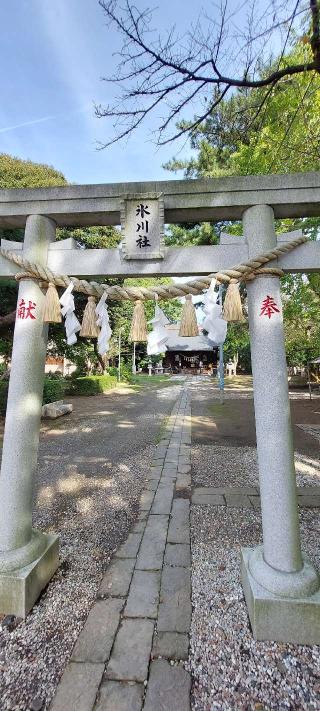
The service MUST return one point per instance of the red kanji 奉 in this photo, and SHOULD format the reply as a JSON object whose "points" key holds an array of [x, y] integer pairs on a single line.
{"points": [[269, 307]]}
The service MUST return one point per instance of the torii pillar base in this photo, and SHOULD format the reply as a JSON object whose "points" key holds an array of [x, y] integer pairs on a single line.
{"points": [[295, 620], [20, 588]]}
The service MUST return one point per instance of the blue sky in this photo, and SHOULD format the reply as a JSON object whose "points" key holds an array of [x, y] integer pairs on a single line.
{"points": [[53, 54]]}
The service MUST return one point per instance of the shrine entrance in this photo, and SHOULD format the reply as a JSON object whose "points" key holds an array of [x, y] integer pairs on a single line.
{"points": [[281, 585], [193, 355]]}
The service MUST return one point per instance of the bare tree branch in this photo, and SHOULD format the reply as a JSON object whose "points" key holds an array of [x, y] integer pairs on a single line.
{"points": [[201, 66]]}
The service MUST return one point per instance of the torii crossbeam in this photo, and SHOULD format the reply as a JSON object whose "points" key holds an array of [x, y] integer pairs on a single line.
{"points": [[281, 586]]}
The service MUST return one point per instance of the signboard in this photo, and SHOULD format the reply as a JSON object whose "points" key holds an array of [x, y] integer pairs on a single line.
{"points": [[142, 226]]}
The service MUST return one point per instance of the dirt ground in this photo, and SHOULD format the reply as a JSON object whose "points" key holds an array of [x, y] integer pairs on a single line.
{"points": [[233, 424]]}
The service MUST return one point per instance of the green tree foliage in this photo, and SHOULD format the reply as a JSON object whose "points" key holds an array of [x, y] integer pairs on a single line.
{"points": [[100, 237], [17, 173], [275, 130]]}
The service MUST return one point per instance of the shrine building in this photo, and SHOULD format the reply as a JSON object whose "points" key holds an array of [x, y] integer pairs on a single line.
{"points": [[190, 355]]}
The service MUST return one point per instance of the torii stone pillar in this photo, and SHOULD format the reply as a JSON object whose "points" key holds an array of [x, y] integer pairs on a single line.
{"points": [[280, 584], [28, 558]]}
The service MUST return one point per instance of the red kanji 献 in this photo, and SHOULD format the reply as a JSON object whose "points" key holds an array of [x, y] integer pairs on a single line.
{"points": [[25, 311], [269, 307]]}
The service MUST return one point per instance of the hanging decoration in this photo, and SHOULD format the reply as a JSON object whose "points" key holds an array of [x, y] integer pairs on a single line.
{"points": [[103, 322], [52, 311], [188, 323], [138, 330], [157, 338], [214, 323], [89, 328], [71, 323], [232, 307]]}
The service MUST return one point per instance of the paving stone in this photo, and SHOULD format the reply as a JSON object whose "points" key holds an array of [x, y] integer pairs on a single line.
{"points": [[163, 499], [184, 469], [238, 500], [156, 478], [171, 645], [131, 651], [177, 554], [256, 503], [160, 452], [130, 548], [116, 581], [183, 481], [175, 604], [184, 451], [155, 469], [213, 490], [138, 527], [309, 501], [184, 461], [153, 543], [179, 529], [143, 515], [144, 594], [168, 688], [146, 500], [184, 464], [308, 490], [120, 696], [208, 499], [152, 485], [96, 638], [78, 687], [168, 478]]}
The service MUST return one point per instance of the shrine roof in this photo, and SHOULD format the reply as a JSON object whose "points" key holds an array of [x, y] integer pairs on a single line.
{"points": [[187, 344]]}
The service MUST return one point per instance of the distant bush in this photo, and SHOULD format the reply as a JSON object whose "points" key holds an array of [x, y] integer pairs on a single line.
{"points": [[125, 373], [54, 389], [93, 384]]}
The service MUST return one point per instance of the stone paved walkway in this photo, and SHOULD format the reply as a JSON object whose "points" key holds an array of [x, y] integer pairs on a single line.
{"points": [[248, 496], [128, 655]]}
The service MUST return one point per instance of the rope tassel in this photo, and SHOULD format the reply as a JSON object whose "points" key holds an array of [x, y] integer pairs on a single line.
{"points": [[138, 330], [188, 324], [89, 328], [52, 311], [232, 307]]}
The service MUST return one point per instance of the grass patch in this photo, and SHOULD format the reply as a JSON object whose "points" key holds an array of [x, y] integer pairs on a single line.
{"points": [[153, 381]]}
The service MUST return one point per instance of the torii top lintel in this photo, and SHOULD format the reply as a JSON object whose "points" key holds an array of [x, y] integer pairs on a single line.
{"points": [[290, 195]]}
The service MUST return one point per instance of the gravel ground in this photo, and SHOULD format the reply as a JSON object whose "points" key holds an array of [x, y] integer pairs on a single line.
{"points": [[313, 430], [92, 467], [238, 466], [232, 671]]}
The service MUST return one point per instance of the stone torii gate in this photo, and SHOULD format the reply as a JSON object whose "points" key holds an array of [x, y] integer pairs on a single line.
{"points": [[281, 586]]}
